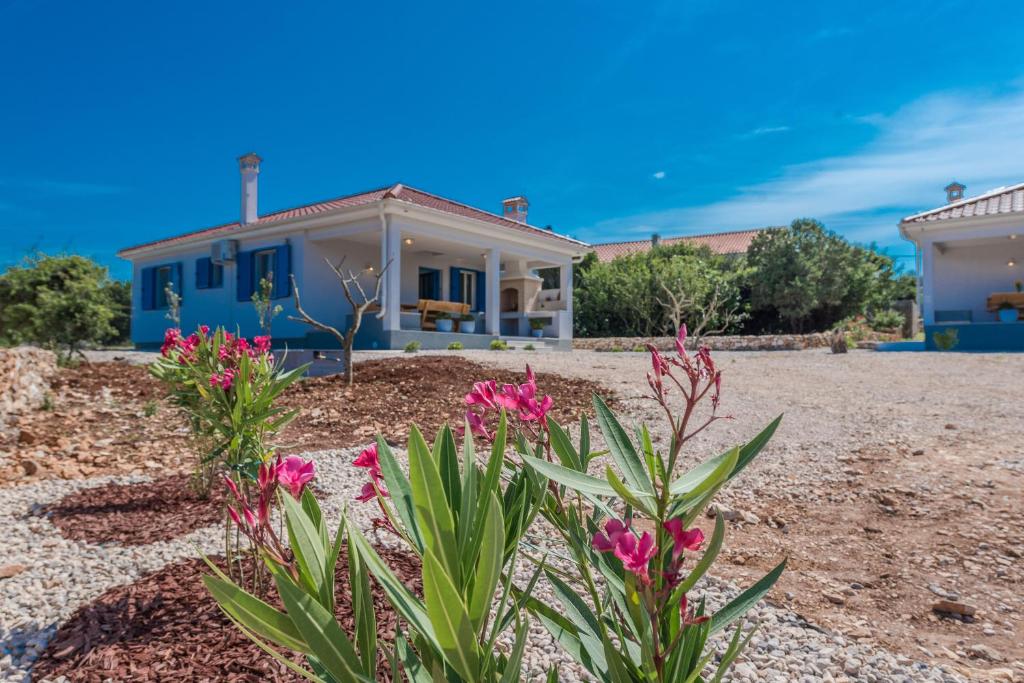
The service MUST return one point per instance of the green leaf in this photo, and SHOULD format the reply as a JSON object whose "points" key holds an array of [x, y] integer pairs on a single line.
{"points": [[326, 640], [415, 672], [562, 445], [704, 476], [404, 602], [514, 667], [578, 481], [581, 616], [306, 543], [488, 568], [640, 501], [747, 452], [745, 600], [432, 512], [362, 607], [584, 442], [400, 490], [448, 466], [622, 450], [255, 615], [450, 619]]}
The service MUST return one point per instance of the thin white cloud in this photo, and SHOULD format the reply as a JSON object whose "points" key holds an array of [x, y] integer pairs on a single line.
{"points": [[658, 175], [765, 130], [974, 137]]}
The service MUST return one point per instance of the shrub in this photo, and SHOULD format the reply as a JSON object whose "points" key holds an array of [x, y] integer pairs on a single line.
{"points": [[639, 348], [887, 320], [62, 302], [538, 323], [412, 347], [455, 346], [529, 347], [946, 340], [228, 388], [458, 520], [635, 612], [499, 345]]}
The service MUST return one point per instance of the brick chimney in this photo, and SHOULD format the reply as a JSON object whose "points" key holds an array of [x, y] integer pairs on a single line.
{"points": [[249, 167], [515, 208], [954, 192]]}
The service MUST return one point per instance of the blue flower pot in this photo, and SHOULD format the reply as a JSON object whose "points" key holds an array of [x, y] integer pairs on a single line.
{"points": [[467, 326], [537, 333], [1007, 315], [444, 324]]}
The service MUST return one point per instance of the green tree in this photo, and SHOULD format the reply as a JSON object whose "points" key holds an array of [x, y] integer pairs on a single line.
{"points": [[806, 278], [119, 293], [58, 301]]}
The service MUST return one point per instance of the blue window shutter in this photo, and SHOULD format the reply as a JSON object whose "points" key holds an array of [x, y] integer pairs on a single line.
{"points": [[148, 293], [481, 291], [455, 290], [204, 268], [282, 271], [437, 285], [244, 267]]}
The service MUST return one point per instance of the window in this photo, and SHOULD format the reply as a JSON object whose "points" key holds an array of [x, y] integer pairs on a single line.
{"points": [[216, 276], [468, 288], [161, 279], [263, 266]]}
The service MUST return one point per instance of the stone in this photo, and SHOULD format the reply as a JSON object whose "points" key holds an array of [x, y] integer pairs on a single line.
{"points": [[30, 467], [9, 570], [952, 607], [834, 598], [985, 652], [917, 451]]}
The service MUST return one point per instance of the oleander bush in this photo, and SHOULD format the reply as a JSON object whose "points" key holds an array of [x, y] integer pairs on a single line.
{"points": [[627, 606]]}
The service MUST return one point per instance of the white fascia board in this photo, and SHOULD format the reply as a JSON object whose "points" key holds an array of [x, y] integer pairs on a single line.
{"points": [[972, 227], [539, 244]]}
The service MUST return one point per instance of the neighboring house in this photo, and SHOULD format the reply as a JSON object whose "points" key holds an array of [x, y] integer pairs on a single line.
{"points": [[439, 251], [726, 243], [969, 256]]}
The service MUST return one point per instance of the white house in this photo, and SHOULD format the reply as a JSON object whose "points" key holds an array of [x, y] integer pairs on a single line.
{"points": [[439, 251], [969, 262]]}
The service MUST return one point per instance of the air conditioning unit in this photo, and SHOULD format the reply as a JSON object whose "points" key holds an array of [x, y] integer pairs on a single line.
{"points": [[223, 251]]}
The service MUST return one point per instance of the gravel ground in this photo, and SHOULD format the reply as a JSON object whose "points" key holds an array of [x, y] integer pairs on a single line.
{"points": [[831, 403]]}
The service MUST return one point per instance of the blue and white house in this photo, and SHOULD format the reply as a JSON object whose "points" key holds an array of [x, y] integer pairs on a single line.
{"points": [[970, 264], [507, 272]]}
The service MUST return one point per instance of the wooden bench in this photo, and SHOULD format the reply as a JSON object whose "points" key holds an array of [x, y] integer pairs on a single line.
{"points": [[429, 308], [1016, 299]]}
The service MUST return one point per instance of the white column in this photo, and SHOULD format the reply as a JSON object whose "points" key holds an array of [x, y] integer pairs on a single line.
{"points": [[565, 293], [391, 255], [492, 312], [928, 252]]}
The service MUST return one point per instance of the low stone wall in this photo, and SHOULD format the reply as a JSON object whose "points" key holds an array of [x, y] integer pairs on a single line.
{"points": [[25, 374], [766, 342]]}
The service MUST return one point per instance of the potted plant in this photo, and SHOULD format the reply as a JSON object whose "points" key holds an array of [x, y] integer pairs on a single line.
{"points": [[1007, 312], [1018, 285], [537, 327], [467, 323], [443, 322]]}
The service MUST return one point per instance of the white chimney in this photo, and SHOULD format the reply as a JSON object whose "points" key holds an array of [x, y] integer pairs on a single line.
{"points": [[249, 166], [515, 208]]}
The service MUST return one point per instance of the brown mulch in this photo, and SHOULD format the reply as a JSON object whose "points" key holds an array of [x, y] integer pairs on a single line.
{"points": [[394, 393], [136, 514], [109, 417], [167, 627]]}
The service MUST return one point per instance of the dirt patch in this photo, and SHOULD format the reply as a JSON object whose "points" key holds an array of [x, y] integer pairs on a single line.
{"points": [[874, 555], [136, 514], [103, 418], [393, 393], [110, 418], [166, 627]]}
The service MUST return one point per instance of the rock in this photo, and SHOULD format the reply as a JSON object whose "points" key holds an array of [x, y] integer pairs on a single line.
{"points": [[950, 426], [917, 451], [30, 467], [9, 570], [952, 607], [750, 517], [985, 652], [26, 437], [727, 514], [834, 598]]}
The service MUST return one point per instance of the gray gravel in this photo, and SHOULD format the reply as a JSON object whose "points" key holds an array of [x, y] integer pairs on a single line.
{"points": [[815, 389]]}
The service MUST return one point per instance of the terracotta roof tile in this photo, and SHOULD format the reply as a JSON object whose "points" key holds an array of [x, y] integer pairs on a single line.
{"points": [[1001, 200], [397, 192], [720, 242]]}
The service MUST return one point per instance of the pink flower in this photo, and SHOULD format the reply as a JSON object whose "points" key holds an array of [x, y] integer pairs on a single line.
{"points": [[294, 473], [266, 476], [233, 514], [484, 394], [229, 482], [367, 492], [261, 343], [171, 338], [687, 613], [205, 329], [681, 341], [250, 518], [683, 539], [636, 555], [476, 425], [614, 529], [368, 458]]}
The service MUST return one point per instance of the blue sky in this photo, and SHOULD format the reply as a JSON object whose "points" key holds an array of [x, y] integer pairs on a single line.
{"points": [[121, 122]]}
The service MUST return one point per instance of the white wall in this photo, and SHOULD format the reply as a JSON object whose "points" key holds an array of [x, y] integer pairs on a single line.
{"points": [[964, 276]]}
